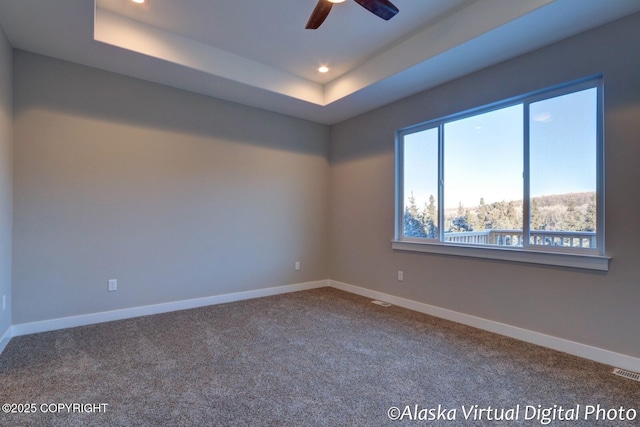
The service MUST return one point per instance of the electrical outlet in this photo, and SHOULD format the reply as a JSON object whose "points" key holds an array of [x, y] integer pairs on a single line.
{"points": [[400, 276], [113, 285], [297, 265]]}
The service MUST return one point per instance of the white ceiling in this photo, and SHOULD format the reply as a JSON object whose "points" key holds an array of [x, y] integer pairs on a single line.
{"points": [[257, 52]]}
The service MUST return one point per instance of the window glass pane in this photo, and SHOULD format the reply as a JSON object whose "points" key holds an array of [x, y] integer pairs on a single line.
{"points": [[563, 170], [420, 217], [483, 187]]}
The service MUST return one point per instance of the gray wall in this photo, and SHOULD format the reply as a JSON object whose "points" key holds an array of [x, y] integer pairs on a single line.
{"points": [[180, 196], [6, 171], [174, 194], [593, 308]]}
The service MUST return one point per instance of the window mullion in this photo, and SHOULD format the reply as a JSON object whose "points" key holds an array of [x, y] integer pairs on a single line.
{"points": [[526, 207], [441, 182], [600, 192], [399, 186]]}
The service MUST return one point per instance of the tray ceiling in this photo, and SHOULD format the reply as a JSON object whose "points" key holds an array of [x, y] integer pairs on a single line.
{"points": [[258, 53]]}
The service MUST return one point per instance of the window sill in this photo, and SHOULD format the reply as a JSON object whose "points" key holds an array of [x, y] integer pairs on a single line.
{"points": [[584, 261]]}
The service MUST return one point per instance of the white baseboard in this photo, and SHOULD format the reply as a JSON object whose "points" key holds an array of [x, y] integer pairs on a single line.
{"points": [[5, 338], [577, 349], [127, 313]]}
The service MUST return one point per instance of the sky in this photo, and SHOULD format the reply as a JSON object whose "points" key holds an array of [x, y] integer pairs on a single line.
{"points": [[484, 153]]}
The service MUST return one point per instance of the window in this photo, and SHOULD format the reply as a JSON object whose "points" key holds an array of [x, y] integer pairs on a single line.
{"points": [[519, 180]]}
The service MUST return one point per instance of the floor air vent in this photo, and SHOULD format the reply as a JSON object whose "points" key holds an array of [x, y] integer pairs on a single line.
{"points": [[382, 303], [627, 374]]}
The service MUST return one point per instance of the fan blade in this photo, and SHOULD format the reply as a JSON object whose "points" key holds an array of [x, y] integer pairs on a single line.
{"points": [[319, 14], [382, 8]]}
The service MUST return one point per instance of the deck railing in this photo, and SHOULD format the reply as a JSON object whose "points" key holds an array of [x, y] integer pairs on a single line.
{"points": [[573, 239]]}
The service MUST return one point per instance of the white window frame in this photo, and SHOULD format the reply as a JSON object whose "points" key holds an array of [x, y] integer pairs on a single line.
{"points": [[594, 259]]}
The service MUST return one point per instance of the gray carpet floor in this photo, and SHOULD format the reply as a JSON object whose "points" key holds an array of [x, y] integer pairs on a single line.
{"points": [[314, 358]]}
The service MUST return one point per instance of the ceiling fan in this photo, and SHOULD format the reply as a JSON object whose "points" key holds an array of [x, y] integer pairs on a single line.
{"points": [[382, 8]]}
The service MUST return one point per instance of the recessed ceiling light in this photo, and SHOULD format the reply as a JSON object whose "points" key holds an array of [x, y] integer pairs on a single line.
{"points": [[336, 1], [138, 1], [323, 69]]}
